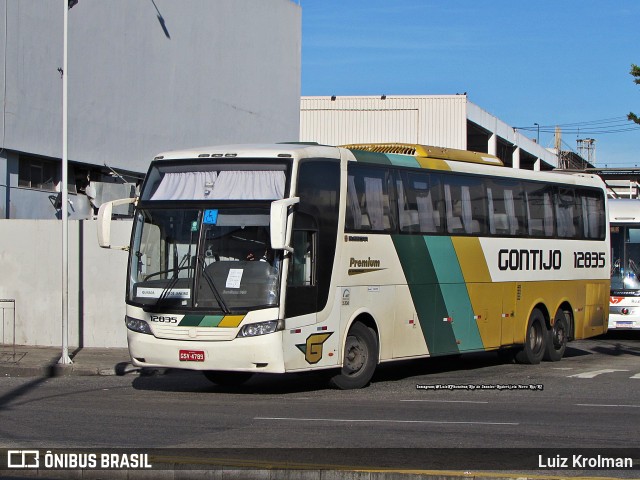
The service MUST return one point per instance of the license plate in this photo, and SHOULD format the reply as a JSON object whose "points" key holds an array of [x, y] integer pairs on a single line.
{"points": [[624, 324], [191, 356]]}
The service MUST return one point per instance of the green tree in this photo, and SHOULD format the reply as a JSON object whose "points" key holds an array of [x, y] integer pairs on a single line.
{"points": [[635, 71]]}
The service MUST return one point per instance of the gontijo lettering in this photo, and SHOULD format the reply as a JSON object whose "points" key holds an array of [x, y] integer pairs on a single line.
{"points": [[521, 259]]}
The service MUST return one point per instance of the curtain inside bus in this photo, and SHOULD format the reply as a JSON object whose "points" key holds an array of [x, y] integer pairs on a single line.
{"points": [[227, 185]]}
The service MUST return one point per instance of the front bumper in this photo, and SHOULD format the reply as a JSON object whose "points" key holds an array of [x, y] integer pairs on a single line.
{"points": [[263, 353]]}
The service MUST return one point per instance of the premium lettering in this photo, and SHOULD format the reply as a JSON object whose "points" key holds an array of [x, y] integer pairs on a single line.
{"points": [[368, 263]]}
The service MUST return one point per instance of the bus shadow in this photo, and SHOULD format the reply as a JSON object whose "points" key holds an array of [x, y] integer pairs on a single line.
{"points": [[618, 343], [404, 369], [265, 384], [187, 381], [571, 352]]}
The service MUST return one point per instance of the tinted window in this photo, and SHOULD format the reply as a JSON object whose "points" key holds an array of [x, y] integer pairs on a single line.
{"points": [[369, 200], [420, 205]]}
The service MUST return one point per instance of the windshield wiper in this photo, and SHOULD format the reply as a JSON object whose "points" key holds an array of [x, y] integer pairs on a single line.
{"points": [[175, 278], [214, 289]]}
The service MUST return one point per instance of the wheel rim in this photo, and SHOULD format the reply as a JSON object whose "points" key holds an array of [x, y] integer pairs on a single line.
{"points": [[355, 355], [536, 337], [559, 335]]}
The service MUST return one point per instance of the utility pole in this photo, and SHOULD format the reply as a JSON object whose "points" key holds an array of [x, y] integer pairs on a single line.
{"points": [[64, 209]]}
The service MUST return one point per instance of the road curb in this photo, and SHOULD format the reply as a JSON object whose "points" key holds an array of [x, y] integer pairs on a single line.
{"points": [[60, 370]]}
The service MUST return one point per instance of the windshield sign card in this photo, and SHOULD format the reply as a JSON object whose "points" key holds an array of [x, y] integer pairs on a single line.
{"points": [[234, 277]]}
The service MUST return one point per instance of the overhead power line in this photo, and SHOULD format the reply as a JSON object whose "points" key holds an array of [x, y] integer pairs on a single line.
{"points": [[591, 127]]}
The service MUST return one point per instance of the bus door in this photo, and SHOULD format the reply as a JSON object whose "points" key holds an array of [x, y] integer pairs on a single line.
{"points": [[302, 285], [313, 239]]}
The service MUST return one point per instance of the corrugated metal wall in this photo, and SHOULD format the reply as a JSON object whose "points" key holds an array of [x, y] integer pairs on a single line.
{"points": [[429, 120]]}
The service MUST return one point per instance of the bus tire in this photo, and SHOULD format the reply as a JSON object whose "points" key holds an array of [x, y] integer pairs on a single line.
{"points": [[227, 379], [360, 358], [557, 338], [535, 340]]}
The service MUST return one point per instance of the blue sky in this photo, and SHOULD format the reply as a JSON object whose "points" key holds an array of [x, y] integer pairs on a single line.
{"points": [[551, 62]]}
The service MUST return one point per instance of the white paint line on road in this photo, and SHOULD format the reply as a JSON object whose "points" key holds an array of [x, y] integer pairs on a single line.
{"points": [[637, 375], [356, 420], [602, 405], [595, 373], [445, 401]]}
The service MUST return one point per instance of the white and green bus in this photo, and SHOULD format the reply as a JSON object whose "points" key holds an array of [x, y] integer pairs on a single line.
{"points": [[297, 257], [624, 310]]}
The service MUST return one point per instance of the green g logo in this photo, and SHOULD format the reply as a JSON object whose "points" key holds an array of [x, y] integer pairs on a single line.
{"points": [[313, 348]]}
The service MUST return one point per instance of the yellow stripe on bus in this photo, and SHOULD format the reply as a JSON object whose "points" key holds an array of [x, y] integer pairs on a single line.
{"points": [[231, 321]]}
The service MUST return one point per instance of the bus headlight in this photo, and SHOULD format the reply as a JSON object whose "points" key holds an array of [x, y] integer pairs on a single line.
{"points": [[136, 325], [261, 328]]}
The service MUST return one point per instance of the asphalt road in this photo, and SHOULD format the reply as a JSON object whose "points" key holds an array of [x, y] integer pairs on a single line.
{"points": [[590, 399]]}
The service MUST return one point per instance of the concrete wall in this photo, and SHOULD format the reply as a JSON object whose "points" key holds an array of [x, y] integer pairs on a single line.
{"points": [[147, 76], [31, 275]]}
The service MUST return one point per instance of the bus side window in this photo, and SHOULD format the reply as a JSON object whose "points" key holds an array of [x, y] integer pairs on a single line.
{"points": [[464, 206], [505, 207], [419, 203], [370, 203], [590, 207], [565, 217], [539, 208]]}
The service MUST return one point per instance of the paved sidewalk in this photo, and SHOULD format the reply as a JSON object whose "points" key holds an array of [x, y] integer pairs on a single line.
{"points": [[31, 361]]}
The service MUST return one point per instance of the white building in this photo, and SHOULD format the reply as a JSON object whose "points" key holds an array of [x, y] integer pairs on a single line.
{"points": [[143, 77], [440, 120]]}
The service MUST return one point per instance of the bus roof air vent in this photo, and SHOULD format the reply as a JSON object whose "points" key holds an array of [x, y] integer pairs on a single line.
{"points": [[427, 151], [398, 148]]}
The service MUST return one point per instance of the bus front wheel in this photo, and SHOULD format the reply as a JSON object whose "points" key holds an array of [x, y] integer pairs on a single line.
{"points": [[535, 339], [360, 358]]}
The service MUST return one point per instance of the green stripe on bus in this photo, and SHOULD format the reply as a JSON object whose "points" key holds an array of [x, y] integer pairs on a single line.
{"points": [[201, 320], [386, 158], [211, 320], [403, 160], [454, 292], [426, 292], [371, 157], [191, 320]]}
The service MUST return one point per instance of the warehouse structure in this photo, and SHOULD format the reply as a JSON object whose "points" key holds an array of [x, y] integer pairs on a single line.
{"points": [[441, 120]]}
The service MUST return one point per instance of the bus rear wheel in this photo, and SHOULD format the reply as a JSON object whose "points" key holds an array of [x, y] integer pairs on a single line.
{"points": [[535, 339], [557, 338], [227, 379], [360, 358]]}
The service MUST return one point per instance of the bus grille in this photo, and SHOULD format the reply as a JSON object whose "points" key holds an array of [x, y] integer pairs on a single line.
{"points": [[195, 333]]}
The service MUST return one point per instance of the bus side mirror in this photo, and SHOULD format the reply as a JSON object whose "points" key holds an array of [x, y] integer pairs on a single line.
{"points": [[280, 234], [104, 222]]}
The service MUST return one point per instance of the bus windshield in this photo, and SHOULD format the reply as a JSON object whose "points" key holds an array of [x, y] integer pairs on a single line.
{"points": [[218, 259], [625, 259]]}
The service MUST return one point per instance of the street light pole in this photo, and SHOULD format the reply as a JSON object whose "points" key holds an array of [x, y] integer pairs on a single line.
{"points": [[64, 210], [538, 137]]}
